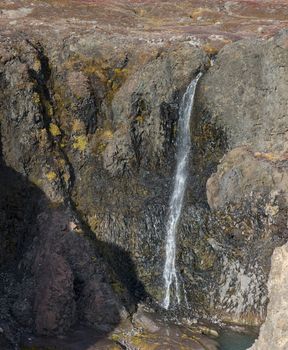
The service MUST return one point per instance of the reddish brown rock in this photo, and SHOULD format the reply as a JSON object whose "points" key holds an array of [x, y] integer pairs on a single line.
{"points": [[54, 304], [69, 281]]}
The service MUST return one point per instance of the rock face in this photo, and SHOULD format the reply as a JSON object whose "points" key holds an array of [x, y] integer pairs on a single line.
{"points": [[61, 279], [273, 333], [70, 279], [244, 95], [88, 130]]}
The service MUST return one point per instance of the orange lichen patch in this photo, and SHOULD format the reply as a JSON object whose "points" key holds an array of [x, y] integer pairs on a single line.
{"points": [[272, 157]]}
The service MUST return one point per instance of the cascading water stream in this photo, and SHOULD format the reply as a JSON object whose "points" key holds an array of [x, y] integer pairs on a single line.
{"points": [[176, 201]]}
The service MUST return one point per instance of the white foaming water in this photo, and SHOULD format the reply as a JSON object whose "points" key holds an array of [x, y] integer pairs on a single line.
{"points": [[176, 201]]}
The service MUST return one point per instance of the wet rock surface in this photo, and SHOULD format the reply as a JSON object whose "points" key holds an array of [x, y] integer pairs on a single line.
{"points": [[88, 129]]}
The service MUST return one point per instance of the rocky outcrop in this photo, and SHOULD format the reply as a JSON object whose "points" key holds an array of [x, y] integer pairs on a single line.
{"points": [[244, 95], [273, 333], [61, 279], [70, 278], [88, 130]]}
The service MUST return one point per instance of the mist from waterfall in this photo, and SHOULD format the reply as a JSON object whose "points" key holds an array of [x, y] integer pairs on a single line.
{"points": [[176, 201]]}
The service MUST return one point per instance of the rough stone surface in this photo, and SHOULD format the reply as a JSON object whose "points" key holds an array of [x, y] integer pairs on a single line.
{"points": [[246, 93], [273, 333], [54, 302], [88, 120]]}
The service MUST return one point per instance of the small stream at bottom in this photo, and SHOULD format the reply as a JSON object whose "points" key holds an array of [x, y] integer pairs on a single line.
{"points": [[231, 340]]}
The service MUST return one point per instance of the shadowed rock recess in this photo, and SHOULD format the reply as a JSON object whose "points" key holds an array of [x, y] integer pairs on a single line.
{"points": [[89, 119]]}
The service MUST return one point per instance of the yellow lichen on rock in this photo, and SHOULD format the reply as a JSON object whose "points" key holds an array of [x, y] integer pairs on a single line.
{"points": [[107, 135], [93, 222], [36, 98], [89, 66], [37, 65], [51, 176], [140, 119], [54, 130], [139, 341], [270, 156], [61, 162], [37, 182], [271, 210], [80, 143], [120, 72], [49, 109]]}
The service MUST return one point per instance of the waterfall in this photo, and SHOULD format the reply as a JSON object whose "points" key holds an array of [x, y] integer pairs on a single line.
{"points": [[176, 201]]}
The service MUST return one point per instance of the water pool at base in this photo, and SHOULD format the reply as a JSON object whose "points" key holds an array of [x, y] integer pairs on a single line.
{"points": [[168, 336], [230, 340]]}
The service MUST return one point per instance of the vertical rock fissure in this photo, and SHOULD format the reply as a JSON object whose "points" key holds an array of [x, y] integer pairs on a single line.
{"points": [[176, 201]]}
